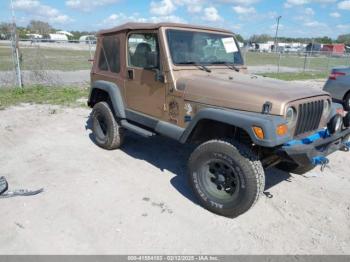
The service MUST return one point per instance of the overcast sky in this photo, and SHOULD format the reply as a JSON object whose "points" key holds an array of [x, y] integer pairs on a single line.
{"points": [[299, 17]]}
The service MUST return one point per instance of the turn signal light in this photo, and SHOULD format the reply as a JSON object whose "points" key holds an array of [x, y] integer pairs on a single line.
{"points": [[282, 130], [259, 132], [334, 75], [340, 111]]}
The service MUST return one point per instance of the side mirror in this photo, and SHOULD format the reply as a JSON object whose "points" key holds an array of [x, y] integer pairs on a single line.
{"points": [[159, 76]]}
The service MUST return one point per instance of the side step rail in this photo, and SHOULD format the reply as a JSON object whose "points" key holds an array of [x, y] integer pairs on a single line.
{"points": [[138, 130]]}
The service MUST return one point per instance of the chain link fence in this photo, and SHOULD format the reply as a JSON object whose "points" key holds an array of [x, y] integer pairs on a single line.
{"points": [[46, 63], [67, 63], [303, 62]]}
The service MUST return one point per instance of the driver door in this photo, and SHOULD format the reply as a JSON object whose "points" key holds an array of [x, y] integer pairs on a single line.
{"points": [[144, 93]]}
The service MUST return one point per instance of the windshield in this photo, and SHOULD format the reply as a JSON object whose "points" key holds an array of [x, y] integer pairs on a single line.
{"points": [[191, 47]]}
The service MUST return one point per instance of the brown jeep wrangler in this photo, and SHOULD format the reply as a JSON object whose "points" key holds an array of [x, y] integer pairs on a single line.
{"points": [[189, 83]]}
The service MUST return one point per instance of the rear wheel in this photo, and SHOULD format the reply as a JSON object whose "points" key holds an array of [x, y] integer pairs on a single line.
{"points": [[106, 130], [226, 177], [347, 102]]}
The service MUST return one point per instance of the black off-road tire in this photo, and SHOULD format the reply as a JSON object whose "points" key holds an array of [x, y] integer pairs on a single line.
{"points": [[347, 102], [243, 165], [107, 132], [294, 168]]}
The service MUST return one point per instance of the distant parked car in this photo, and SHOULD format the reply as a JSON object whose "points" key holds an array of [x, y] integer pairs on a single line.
{"points": [[338, 85], [313, 47], [291, 49]]}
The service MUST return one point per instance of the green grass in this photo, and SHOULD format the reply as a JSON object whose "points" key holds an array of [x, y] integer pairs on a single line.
{"points": [[297, 76], [36, 58], [67, 96]]}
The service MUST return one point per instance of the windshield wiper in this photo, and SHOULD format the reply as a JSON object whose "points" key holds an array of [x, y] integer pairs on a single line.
{"points": [[229, 65], [201, 66]]}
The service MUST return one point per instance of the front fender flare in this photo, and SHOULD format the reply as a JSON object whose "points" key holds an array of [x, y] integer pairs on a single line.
{"points": [[243, 120]]}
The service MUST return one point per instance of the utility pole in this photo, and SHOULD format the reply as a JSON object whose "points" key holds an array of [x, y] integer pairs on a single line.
{"points": [[15, 48], [276, 36]]}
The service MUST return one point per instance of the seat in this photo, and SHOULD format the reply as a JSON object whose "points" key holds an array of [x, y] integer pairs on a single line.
{"points": [[141, 55]]}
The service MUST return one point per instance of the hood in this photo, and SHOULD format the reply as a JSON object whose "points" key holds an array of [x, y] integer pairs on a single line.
{"points": [[243, 92]]}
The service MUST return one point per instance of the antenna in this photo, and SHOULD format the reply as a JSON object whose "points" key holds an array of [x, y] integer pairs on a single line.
{"points": [[276, 36]]}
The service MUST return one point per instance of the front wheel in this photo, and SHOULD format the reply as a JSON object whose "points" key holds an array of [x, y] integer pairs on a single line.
{"points": [[227, 178]]}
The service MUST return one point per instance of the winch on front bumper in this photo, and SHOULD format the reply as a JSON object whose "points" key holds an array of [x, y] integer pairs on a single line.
{"points": [[314, 149]]}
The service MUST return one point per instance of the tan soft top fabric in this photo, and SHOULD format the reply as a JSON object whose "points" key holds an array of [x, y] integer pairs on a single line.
{"points": [[152, 26]]}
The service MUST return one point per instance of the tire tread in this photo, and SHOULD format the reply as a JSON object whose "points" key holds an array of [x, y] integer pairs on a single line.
{"points": [[116, 138], [252, 161]]}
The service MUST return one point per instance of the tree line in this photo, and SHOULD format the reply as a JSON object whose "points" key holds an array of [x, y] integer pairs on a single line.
{"points": [[44, 29], [37, 27]]}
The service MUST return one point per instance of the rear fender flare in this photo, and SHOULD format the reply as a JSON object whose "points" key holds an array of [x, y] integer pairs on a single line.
{"points": [[114, 93]]}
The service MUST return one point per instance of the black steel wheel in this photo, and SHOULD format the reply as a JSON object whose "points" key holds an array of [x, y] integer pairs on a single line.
{"points": [[220, 180], [226, 177]]}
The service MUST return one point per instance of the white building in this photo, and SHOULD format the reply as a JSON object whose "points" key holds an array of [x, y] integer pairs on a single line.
{"points": [[87, 38], [240, 44], [34, 36], [58, 37], [64, 33], [265, 47]]}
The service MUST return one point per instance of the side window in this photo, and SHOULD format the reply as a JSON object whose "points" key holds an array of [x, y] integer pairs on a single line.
{"points": [[143, 50], [102, 63], [110, 54]]}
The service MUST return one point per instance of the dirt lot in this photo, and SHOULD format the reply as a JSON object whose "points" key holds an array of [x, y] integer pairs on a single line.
{"points": [[50, 77], [136, 200]]}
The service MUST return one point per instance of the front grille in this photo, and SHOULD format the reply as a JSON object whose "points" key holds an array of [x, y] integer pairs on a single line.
{"points": [[309, 117]]}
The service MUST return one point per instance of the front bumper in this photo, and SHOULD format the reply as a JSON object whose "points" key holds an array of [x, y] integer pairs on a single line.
{"points": [[319, 145]]}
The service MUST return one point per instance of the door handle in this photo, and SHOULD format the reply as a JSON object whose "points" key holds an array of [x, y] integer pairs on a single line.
{"points": [[131, 74]]}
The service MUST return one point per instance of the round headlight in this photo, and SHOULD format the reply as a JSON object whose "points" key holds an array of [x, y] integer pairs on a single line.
{"points": [[338, 124], [327, 107], [335, 124], [291, 115]]}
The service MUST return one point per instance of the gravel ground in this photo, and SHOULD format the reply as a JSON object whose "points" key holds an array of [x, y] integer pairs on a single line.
{"points": [[136, 200], [49, 77]]}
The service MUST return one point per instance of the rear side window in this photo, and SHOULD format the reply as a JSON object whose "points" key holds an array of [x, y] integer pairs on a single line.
{"points": [[102, 63], [110, 54]]}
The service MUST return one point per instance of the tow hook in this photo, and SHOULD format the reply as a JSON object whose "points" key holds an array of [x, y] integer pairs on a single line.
{"points": [[346, 147], [320, 161]]}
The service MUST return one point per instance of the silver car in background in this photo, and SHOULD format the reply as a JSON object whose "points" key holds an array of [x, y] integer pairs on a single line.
{"points": [[338, 85]]}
